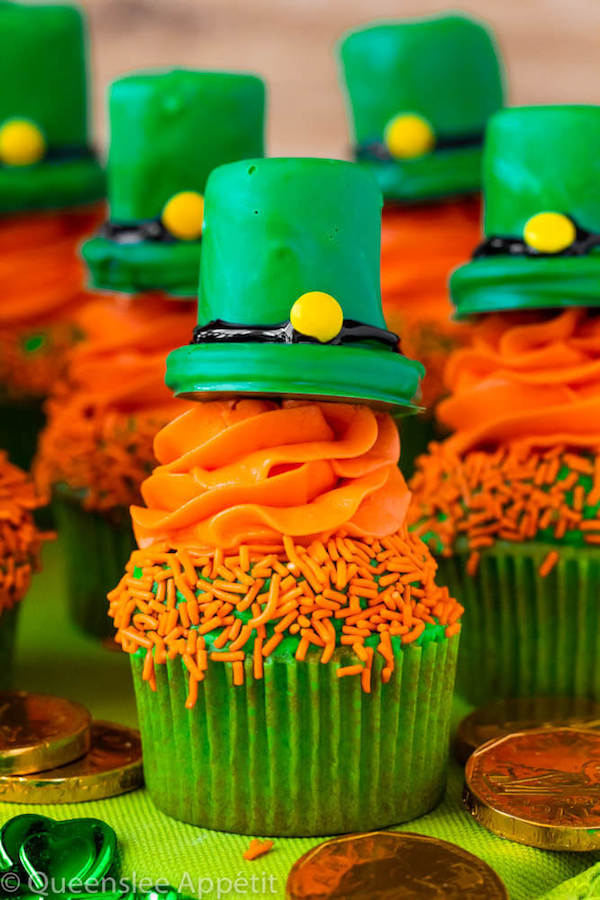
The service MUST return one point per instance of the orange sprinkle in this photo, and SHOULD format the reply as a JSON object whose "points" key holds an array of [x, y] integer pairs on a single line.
{"points": [[548, 563], [511, 494], [349, 670], [238, 673], [214, 609]]}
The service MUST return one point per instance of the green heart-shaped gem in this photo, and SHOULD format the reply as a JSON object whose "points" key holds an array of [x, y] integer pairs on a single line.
{"points": [[41, 850]]}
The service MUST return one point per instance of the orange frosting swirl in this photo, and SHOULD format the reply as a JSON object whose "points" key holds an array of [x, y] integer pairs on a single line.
{"points": [[41, 274], [122, 361], [41, 288], [420, 245], [526, 378], [253, 470], [103, 417]]}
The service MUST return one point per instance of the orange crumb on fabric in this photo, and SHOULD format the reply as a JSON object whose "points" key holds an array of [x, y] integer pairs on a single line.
{"points": [[371, 617], [20, 540], [515, 493], [258, 848]]}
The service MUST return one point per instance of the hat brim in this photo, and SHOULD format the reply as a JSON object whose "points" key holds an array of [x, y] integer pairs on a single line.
{"points": [[443, 173], [379, 378], [51, 185], [501, 283], [144, 266]]}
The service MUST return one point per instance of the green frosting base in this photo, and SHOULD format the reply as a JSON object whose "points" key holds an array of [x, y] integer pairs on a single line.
{"points": [[505, 283], [8, 633], [443, 173], [144, 266], [524, 634], [317, 371], [310, 753], [96, 551], [55, 185]]}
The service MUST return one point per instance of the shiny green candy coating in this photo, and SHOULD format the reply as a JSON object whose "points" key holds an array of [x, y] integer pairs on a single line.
{"points": [[537, 159], [274, 230], [44, 80], [169, 130], [445, 69]]}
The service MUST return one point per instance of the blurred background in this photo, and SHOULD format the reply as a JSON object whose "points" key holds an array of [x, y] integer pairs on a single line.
{"points": [[550, 48]]}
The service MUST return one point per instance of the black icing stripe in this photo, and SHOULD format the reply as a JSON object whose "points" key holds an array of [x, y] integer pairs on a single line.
{"points": [[496, 245], [377, 150], [219, 331], [151, 230]]}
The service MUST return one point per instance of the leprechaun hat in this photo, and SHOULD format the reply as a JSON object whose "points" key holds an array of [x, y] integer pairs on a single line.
{"points": [[419, 95], [290, 301], [168, 131], [541, 246], [45, 157]]}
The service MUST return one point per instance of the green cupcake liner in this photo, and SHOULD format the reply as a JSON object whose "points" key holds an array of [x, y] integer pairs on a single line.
{"points": [[20, 425], [300, 752], [96, 550], [524, 634], [8, 634]]}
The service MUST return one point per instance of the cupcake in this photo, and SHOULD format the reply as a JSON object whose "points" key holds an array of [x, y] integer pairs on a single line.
{"points": [[168, 130], [20, 544], [419, 95], [50, 187], [277, 601], [510, 502]]}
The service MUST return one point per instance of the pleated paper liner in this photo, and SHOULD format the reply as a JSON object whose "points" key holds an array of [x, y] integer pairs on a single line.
{"points": [[8, 637], [525, 634], [300, 752], [96, 550]]}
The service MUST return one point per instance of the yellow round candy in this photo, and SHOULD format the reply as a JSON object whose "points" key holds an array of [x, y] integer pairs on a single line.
{"points": [[318, 315], [21, 143], [408, 135], [183, 215], [549, 232]]}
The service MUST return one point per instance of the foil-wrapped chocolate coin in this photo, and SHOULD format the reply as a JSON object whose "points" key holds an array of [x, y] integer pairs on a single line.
{"points": [[389, 865], [521, 714], [112, 766], [540, 788], [39, 732]]}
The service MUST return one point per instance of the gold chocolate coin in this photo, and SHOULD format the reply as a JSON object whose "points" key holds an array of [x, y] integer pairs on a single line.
{"points": [[39, 732], [389, 865], [112, 766], [521, 714], [540, 788]]}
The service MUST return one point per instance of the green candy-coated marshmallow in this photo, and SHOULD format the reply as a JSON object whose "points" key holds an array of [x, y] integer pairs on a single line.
{"points": [[276, 229], [536, 160], [169, 130], [444, 69], [43, 80]]}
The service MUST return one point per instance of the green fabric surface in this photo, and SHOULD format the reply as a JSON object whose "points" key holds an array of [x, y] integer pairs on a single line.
{"points": [[53, 658]]}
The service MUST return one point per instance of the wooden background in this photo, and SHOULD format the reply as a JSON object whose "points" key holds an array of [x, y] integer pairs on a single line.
{"points": [[551, 49]]}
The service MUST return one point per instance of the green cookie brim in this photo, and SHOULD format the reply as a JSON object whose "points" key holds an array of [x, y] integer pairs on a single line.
{"points": [[51, 185], [144, 266], [444, 173], [316, 371], [504, 283]]}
